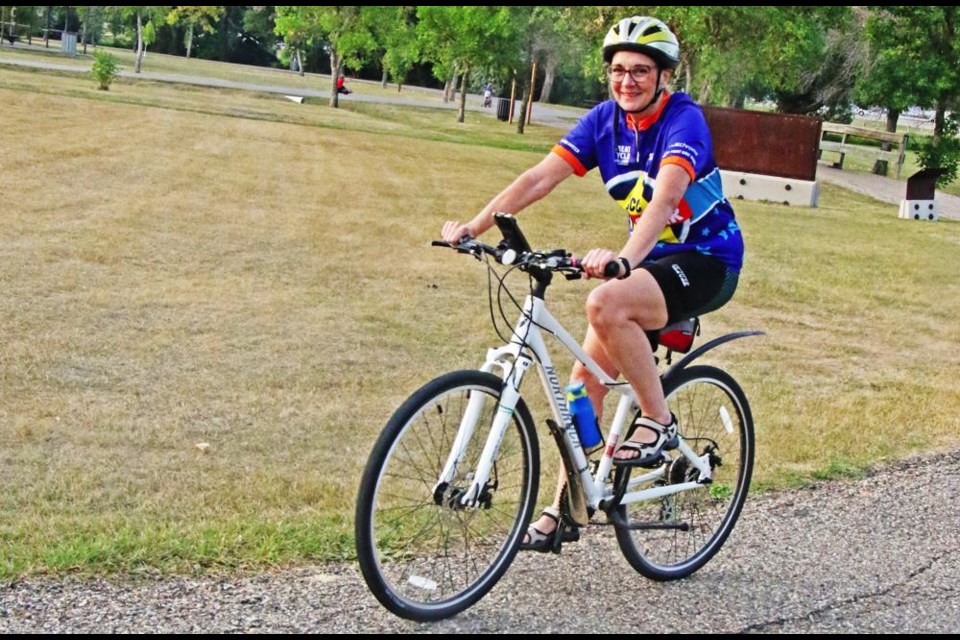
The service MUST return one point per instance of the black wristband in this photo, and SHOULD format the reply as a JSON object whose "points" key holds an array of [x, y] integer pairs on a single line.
{"points": [[626, 268]]}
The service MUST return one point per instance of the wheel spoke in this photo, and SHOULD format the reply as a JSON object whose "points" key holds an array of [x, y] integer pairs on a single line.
{"points": [[697, 396], [427, 561]]}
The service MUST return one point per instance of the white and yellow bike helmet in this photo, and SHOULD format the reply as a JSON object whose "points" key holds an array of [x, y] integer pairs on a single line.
{"points": [[644, 35]]}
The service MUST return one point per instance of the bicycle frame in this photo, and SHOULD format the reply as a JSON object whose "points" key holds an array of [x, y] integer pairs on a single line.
{"points": [[526, 348]]}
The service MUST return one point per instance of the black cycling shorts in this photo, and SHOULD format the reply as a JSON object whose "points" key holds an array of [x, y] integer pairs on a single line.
{"points": [[692, 283]]}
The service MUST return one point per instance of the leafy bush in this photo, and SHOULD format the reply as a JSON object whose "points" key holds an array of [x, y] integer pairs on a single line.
{"points": [[943, 152], [106, 67]]}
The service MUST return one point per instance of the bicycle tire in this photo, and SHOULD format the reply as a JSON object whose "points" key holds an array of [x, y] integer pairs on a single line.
{"points": [[426, 561], [711, 408]]}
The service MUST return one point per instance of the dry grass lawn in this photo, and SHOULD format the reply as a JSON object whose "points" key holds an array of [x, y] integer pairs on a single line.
{"points": [[200, 267]]}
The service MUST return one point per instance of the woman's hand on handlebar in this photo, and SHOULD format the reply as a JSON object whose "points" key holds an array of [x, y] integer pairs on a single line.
{"points": [[595, 263], [454, 232]]}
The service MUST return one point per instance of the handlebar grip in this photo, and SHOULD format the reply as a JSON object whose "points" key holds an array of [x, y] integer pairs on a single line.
{"points": [[612, 270]]}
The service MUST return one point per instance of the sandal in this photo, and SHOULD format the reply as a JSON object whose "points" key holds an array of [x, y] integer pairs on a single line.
{"points": [[649, 454], [544, 542]]}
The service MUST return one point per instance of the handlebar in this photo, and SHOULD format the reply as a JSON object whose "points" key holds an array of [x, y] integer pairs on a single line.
{"points": [[558, 260]]}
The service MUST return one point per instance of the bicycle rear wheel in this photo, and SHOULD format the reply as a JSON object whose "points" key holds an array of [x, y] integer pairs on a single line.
{"points": [[714, 417], [423, 557]]}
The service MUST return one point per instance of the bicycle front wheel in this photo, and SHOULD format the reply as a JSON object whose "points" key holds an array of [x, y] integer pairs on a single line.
{"points": [[691, 526], [423, 556]]}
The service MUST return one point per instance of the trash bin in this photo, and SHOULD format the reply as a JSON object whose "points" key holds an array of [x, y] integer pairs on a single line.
{"points": [[68, 43], [921, 188], [503, 109]]}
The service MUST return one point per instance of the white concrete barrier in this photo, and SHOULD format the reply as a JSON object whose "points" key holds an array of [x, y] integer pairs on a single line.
{"points": [[919, 210], [753, 186]]}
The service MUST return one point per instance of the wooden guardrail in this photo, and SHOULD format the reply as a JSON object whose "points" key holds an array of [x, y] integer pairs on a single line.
{"points": [[896, 154]]}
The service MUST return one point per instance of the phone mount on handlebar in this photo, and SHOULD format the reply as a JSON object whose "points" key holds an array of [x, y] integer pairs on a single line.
{"points": [[512, 236]]}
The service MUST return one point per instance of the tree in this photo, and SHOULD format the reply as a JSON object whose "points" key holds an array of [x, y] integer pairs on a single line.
{"points": [[144, 16], [556, 43], [923, 40], [347, 32], [192, 17], [460, 39], [396, 32]]}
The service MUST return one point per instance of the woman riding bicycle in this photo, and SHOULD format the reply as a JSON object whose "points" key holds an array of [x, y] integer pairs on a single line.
{"points": [[684, 251]]}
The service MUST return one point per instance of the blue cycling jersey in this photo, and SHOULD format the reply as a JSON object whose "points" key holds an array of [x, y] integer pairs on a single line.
{"points": [[630, 154]]}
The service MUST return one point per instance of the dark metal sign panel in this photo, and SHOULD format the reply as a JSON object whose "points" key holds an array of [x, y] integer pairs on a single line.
{"points": [[771, 144]]}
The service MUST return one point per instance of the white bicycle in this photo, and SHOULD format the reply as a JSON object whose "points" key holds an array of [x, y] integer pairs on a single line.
{"points": [[452, 481]]}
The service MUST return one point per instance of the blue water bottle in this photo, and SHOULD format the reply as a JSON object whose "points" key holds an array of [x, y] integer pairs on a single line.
{"points": [[584, 419]]}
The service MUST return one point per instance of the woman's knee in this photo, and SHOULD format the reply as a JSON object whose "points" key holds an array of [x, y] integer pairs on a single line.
{"points": [[602, 307]]}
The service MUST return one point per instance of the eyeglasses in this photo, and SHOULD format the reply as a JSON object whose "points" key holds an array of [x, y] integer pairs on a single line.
{"points": [[638, 73]]}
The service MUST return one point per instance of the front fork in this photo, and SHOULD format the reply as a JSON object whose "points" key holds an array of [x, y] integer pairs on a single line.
{"points": [[509, 396]]}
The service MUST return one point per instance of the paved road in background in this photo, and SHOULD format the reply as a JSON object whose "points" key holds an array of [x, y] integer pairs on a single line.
{"points": [[542, 114], [879, 554]]}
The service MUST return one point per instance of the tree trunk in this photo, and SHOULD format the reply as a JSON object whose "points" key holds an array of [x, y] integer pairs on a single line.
{"points": [[399, 86], [334, 76], [882, 167], [299, 62], [139, 63], [550, 72], [46, 34], [189, 39], [893, 116], [687, 64], [86, 19], [704, 94], [939, 121], [383, 81], [461, 112], [2, 11]]}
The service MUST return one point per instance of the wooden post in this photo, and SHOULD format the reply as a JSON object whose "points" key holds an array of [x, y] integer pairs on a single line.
{"points": [[513, 97], [533, 85]]}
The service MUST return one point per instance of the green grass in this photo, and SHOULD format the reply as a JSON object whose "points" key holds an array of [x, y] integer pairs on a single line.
{"points": [[185, 266]]}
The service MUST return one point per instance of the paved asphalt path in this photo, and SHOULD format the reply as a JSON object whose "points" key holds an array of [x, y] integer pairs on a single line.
{"points": [[878, 554], [542, 113]]}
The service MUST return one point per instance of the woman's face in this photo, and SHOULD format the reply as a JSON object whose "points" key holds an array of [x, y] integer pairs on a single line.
{"points": [[633, 81]]}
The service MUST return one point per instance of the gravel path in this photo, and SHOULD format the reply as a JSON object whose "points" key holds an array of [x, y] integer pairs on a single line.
{"points": [[878, 554]]}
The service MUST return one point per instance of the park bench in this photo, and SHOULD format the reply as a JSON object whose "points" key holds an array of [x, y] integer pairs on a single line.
{"points": [[11, 38], [846, 145]]}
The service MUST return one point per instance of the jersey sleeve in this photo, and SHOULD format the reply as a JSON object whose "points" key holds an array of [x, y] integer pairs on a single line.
{"points": [[688, 143], [578, 147]]}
